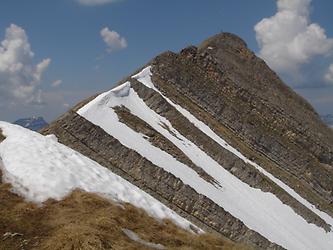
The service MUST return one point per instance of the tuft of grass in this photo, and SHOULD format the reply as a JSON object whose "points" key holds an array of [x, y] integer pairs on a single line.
{"points": [[87, 221], [2, 137]]}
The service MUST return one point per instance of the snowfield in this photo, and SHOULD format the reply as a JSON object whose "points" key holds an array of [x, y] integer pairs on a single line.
{"points": [[260, 211], [39, 168]]}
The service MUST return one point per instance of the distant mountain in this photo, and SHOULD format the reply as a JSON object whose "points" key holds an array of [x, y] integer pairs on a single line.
{"points": [[33, 123], [328, 119]]}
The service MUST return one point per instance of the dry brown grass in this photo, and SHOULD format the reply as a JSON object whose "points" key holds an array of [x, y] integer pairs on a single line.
{"points": [[87, 221], [2, 137]]}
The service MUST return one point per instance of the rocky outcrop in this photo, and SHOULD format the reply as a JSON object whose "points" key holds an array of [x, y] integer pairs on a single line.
{"points": [[159, 141]]}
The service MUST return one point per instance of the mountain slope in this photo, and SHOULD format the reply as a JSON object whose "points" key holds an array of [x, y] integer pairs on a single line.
{"points": [[87, 221], [56, 170], [215, 135], [40, 169]]}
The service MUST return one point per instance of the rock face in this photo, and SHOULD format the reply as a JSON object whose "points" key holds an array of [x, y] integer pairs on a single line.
{"points": [[242, 93], [222, 83]]}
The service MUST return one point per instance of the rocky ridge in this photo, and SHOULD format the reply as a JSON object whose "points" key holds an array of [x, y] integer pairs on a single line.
{"points": [[224, 84]]}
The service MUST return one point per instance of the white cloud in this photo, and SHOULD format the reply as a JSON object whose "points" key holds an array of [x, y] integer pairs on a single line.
{"points": [[19, 76], [56, 83], [329, 75], [96, 2], [289, 40], [113, 40], [301, 7]]}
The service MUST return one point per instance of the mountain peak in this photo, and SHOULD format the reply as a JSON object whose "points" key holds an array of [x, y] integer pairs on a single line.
{"points": [[215, 134], [222, 40]]}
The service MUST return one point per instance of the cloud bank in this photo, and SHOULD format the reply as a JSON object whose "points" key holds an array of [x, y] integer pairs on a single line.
{"points": [[19, 76], [113, 40], [289, 39], [96, 2]]}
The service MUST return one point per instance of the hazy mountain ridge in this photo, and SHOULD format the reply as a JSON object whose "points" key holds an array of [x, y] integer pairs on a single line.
{"points": [[33, 123]]}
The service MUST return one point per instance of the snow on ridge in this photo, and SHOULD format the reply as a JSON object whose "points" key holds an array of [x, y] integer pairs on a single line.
{"points": [[145, 78], [39, 168], [260, 211], [121, 90]]}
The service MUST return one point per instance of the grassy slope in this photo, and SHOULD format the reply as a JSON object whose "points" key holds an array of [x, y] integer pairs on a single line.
{"points": [[87, 221]]}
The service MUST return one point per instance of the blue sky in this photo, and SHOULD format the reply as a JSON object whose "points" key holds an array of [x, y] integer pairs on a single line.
{"points": [[81, 63]]}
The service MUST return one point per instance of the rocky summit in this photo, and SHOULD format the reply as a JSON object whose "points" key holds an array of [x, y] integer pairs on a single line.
{"points": [[214, 134]]}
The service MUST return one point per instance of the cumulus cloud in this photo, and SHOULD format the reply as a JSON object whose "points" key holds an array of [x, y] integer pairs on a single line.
{"points": [[329, 74], [96, 2], [19, 76], [113, 40], [289, 39], [56, 83]]}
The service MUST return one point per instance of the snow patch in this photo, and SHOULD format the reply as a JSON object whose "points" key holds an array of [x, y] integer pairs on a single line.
{"points": [[39, 168], [145, 77], [52, 137], [121, 90]]}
